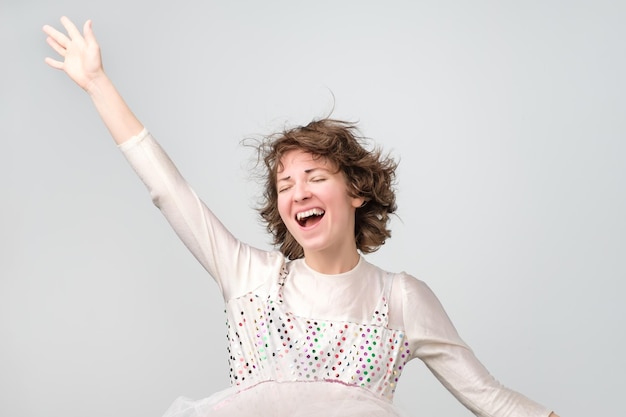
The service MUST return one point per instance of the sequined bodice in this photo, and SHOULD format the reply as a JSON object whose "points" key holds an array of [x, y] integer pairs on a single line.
{"points": [[268, 343]]}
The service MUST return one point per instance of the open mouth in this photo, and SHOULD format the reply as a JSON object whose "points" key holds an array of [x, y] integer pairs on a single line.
{"points": [[309, 217]]}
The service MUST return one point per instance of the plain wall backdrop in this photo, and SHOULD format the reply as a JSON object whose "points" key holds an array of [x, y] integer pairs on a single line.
{"points": [[508, 118]]}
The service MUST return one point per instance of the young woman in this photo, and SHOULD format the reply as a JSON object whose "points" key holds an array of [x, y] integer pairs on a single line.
{"points": [[313, 328]]}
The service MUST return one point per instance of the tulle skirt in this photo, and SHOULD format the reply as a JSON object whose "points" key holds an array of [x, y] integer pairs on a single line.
{"points": [[288, 399]]}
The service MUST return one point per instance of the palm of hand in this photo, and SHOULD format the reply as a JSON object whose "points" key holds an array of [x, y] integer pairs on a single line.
{"points": [[82, 60]]}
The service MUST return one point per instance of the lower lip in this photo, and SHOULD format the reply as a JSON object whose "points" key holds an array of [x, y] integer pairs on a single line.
{"points": [[305, 228]]}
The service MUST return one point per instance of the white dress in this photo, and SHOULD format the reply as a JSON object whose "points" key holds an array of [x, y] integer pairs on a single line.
{"points": [[303, 343]]}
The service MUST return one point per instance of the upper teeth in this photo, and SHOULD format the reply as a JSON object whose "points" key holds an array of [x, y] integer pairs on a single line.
{"points": [[309, 213]]}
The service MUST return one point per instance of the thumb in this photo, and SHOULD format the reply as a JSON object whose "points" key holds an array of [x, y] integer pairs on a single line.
{"points": [[88, 32]]}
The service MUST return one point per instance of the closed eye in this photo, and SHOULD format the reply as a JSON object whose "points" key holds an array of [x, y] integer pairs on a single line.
{"points": [[281, 189]]}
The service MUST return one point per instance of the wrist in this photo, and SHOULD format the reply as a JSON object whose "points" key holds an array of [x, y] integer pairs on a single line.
{"points": [[98, 84]]}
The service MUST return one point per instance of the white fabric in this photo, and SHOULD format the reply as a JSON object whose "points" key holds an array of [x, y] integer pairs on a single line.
{"points": [[240, 269]]}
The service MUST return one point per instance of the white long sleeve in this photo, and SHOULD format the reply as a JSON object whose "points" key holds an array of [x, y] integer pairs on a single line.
{"points": [[239, 268], [233, 264]]}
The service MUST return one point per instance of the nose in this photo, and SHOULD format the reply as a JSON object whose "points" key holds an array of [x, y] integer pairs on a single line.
{"points": [[301, 192]]}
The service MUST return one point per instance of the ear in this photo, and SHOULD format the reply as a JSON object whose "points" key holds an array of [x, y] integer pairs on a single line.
{"points": [[358, 202]]}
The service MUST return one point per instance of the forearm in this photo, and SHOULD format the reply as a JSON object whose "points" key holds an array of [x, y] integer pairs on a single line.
{"points": [[434, 340], [115, 113]]}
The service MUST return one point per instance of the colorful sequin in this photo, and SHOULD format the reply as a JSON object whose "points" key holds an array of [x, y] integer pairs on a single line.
{"points": [[267, 343]]}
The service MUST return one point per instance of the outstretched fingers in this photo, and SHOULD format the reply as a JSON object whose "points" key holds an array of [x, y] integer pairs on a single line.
{"points": [[61, 42], [56, 40], [54, 35], [61, 50], [64, 44], [71, 28], [79, 56]]}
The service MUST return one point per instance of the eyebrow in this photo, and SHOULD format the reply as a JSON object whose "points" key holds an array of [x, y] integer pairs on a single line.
{"points": [[306, 171]]}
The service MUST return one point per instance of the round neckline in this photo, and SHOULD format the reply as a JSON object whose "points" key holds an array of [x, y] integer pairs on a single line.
{"points": [[333, 276]]}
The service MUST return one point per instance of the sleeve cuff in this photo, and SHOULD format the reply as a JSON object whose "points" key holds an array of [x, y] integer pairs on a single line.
{"points": [[124, 146]]}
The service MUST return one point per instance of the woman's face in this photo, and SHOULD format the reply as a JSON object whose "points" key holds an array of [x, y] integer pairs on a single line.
{"points": [[314, 204]]}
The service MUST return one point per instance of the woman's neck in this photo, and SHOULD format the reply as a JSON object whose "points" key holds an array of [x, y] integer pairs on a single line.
{"points": [[332, 263]]}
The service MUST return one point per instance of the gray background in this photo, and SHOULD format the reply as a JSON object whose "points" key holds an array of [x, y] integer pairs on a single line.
{"points": [[509, 121]]}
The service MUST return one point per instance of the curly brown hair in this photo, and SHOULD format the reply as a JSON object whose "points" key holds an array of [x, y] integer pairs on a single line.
{"points": [[369, 174]]}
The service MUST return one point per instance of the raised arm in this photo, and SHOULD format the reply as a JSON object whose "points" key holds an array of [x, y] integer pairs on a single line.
{"points": [[236, 267], [82, 62]]}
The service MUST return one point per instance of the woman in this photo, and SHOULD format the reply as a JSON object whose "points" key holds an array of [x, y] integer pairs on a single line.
{"points": [[313, 328]]}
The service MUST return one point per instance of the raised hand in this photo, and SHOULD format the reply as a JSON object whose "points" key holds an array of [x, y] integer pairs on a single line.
{"points": [[82, 61]]}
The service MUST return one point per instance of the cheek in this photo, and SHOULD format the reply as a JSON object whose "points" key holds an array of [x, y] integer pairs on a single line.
{"points": [[283, 209]]}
